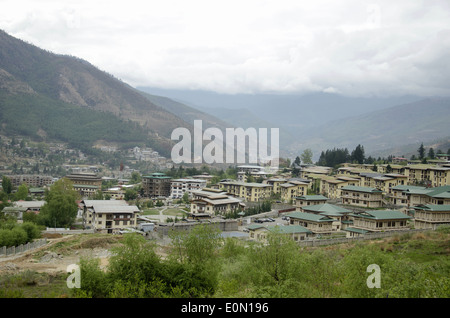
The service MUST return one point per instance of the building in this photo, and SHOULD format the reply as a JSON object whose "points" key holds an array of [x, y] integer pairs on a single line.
{"points": [[431, 216], [422, 196], [338, 213], [331, 186], [109, 216], [179, 187], [428, 175], [87, 184], [295, 232], [247, 191], [307, 200], [210, 202], [31, 180], [156, 185], [292, 189], [377, 221], [397, 195], [316, 223], [362, 196]]}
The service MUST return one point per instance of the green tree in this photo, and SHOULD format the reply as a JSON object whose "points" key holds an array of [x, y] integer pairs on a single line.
{"points": [[421, 151], [307, 156], [358, 154], [60, 208], [431, 154], [22, 192], [6, 185]]}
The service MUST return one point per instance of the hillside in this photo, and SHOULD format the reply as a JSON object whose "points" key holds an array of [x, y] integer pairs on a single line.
{"points": [[35, 84], [412, 123]]}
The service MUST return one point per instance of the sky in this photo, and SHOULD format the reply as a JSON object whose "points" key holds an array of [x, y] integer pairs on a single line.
{"points": [[353, 48]]}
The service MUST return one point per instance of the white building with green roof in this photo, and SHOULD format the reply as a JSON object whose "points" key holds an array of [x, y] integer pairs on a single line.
{"points": [[316, 223], [307, 200], [367, 197], [295, 232], [338, 213]]}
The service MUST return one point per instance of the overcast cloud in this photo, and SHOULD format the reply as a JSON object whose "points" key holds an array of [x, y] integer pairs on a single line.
{"points": [[248, 46]]}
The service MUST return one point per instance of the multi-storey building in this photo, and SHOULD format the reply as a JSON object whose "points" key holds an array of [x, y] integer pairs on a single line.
{"points": [[31, 180], [362, 196], [248, 191], [178, 187], [109, 216], [156, 185], [87, 184], [431, 216], [209, 202]]}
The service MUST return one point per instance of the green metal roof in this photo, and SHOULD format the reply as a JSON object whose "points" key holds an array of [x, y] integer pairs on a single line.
{"points": [[355, 230], [288, 229], [434, 207], [310, 217], [312, 197], [360, 189], [326, 209], [382, 215]]}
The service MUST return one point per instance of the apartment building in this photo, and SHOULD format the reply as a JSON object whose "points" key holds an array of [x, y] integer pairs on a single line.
{"points": [[156, 185], [316, 223], [292, 189], [307, 200], [362, 196], [430, 216], [377, 221], [209, 202], [178, 187], [87, 184], [248, 191], [428, 175], [109, 216], [31, 180], [339, 214]]}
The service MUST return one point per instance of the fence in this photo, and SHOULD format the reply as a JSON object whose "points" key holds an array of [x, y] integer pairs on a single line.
{"points": [[367, 236], [13, 250]]}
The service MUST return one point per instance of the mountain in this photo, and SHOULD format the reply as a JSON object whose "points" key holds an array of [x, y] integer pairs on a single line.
{"points": [[411, 123], [62, 97]]}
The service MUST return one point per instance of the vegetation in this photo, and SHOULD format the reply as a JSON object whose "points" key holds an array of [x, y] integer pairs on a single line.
{"points": [[202, 264]]}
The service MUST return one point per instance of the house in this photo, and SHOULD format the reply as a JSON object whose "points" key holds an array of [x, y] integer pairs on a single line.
{"points": [[295, 232], [247, 191], [316, 223], [377, 221], [307, 200], [210, 202], [431, 216], [338, 213], [178, 187], [156, 185], [362, 196], [109, 216]]}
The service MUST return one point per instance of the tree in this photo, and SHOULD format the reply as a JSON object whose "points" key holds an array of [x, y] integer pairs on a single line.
{"points": [[358, 154], [297, 162], [60, 208], [22, 192], [307, 156], [421, 152], [431, 153], [6, 185]]}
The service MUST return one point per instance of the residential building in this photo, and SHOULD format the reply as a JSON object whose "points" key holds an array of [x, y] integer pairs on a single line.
{"points": [[377, 221], [428, 175], [362, 196], [422, 196], [109, 216], [178, 187], [331, 186], [307, 200], [156, 185], [339, 214], [430, 216], [248, 191], [292, 189], [275, 183], [316, 223], [210, 202], [295, 232], [397, 195], [87, 184], [31, 180]]}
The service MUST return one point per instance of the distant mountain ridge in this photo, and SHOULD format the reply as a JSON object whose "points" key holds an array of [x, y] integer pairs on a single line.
{"points": [[32, 74]]}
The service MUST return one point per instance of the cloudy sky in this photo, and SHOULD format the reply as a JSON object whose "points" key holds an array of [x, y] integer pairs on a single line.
{"points": [[248, 46]]}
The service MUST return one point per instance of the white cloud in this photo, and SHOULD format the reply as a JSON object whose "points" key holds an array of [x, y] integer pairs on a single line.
{"points": [[350, 47]]}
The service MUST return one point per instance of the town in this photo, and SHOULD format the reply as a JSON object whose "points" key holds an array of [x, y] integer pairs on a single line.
{"points": [[306, 202]]}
